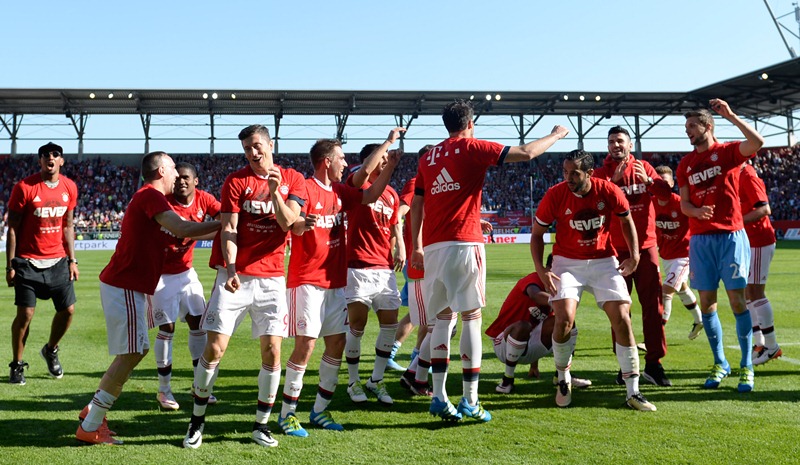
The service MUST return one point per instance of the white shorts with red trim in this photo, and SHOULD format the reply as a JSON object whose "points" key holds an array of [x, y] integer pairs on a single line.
{"points": [[455, 277], [376, 288], [676, 272], [760, 259], [316, 312], [598, 276], [176, 296], [416, 304], [264, 299], [126, 320]]}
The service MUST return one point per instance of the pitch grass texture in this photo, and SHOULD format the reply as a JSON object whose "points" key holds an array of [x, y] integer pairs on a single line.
{"points": [[38, 421]]}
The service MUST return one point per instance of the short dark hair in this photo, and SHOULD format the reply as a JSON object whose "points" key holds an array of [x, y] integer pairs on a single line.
{"points": [[367, 151], [182, 165], [322, 149], [425, 149], [664, 169], [50, 147], [705, 116], [583, 159], [457, 115], [150, 165], [254, 129], [619, 130]]}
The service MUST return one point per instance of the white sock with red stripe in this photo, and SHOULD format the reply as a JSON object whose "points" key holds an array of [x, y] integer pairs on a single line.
{"points": [[292, 385], [514, 350], [471, 354], [562, 356], [269, 380], [162, 348], [352, 350], [98, 407], [383, 349], [440, 352], [328, 380], [423, 360], [205, 373], [628, 358]]}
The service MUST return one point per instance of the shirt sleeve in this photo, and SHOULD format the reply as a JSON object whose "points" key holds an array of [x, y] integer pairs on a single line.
{"points": [[229, 197]]}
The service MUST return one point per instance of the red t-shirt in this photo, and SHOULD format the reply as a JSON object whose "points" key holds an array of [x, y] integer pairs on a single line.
{"points": [[639, 199], [138, 260], [753, 194], [583, 231], [43, 213], [319, 256], [369, 230], [713, 179], [450, 176], [181, 251], [406, 197], [519, 307], [260, 240], [672, 229]]}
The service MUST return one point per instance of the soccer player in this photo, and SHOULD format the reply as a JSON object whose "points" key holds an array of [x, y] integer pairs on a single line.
{"points": [[448, 245], [584, 258], [318, 275], [672, 231], [523, 330], [179, 293], [371, 282], [638, 180], [260, 203], [761, 235], [128, 279], [40, 256], [708, 178]]}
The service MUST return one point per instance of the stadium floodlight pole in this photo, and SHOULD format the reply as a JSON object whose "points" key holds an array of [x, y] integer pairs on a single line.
{"points": [[778, 27]]}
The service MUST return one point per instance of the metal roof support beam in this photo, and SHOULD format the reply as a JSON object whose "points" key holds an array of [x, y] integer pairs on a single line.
{"points": [[580, 131], [790, 137], [638, 136], [80, 128], [400, 121], [146, 126], [212, 138], [14, 130], [278, 118], [341, 123], [523, 133]]}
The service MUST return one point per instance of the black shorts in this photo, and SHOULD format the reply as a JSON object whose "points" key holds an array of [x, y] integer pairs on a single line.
{"points": [[53, 283]]}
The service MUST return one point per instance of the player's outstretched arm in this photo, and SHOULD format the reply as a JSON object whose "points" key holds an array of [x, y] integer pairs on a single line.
{"points": [[181, 228], [374, 191], [537, 147], [753, 140], [537, 253], [374, 159]]}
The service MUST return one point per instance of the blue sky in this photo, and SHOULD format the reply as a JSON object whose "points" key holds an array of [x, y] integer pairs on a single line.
{"points": [[500, 46]]}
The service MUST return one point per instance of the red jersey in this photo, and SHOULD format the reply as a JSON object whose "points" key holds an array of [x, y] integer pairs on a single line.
{"points": [[639, 199], [319, 256], [260, 241], [406, 197], [583, 231], [181, 251], [138, 260], [713, 179], [753, 194], [369, 230], [672, 229], [450, 176], [519, 307], [43, 213]]}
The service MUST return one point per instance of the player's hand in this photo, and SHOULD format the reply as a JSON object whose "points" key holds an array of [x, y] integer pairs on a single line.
{"points": [[706, 212], [418, 259], [560, 131], [620, 171], [393, 158], [628, 266], [311, 222], [232, 284], [399, 260], [721, 107], [486, 227], [639, 171], [394, 134], [274, 178], [10, 277], [549, 280], [534, 371], [73, 272]]}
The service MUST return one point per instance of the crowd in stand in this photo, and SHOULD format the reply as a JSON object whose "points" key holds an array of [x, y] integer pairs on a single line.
{"points": [[106, 188]]}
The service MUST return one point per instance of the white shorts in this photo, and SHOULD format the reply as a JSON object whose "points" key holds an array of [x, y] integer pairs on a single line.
{"points": [[263, 298], [416, 304], [126, 320], [374, 288], [598, 276], [676, 272], [534, 351], [176, 296], [316, 312], [455, 277], [760, 259]]}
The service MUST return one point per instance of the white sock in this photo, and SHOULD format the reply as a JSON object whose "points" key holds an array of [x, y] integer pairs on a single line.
{"points": [[383, 349], [162, 349], [269, 380], [514, 350], [562, 356], [204, 376], [667, 300], [440, 353], [628, 358], [292, 385], [98, 407], [423, 360], [197, 342], [471, 354], [352, 350], [328, 379], [690, 302]]}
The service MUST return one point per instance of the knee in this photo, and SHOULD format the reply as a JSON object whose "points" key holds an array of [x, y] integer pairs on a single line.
{"points": [[25, 315], [67, 312], [520, 331]]}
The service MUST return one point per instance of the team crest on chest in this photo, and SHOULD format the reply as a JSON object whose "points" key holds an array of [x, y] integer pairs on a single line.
{"points": [[284, 189], [601, 205], [65, 197], [714, 157], [674, 214], [200, 214]]}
